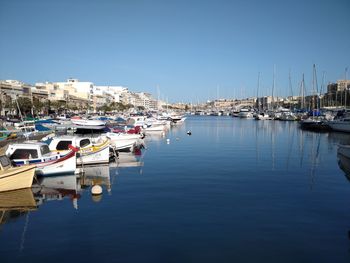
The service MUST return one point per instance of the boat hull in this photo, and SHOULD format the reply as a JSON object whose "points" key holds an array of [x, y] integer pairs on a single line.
{"points": [[339, 126], [82, 122], [66, 164], [123, 141], [94, 157], [17, 178], [314, 125]]}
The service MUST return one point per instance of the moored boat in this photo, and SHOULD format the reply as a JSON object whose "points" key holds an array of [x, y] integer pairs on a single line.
{"points": [[314, 124], [86, 122], [245, 113], [124, 141], [13, 178], [263, 116], [47, 163], [342, 124], [91, 150]]}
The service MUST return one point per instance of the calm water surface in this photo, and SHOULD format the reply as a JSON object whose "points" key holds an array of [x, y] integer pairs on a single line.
{"points": [[235, 191]]}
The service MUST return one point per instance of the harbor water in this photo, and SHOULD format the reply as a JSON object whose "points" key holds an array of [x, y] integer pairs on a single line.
{"points": [[235, 190]]}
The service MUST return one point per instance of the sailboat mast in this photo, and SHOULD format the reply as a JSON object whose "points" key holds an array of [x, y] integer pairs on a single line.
{"points": [[315, 88], [303, 92], [322, 87], [273, 86], [257, 92], [291, 89], [346, 86]]}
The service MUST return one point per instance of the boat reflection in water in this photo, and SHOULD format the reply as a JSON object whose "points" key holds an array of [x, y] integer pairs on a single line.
{"points": [[343, 155], [14, 204], [154, 136], [57, 188], [129, 160], [96, 175]]}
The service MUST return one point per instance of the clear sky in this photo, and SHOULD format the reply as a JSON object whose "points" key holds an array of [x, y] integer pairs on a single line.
{"points": [[192, 50]]}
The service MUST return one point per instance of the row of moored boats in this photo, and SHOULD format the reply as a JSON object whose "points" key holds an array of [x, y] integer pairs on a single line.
{"points": [[95, 141]]}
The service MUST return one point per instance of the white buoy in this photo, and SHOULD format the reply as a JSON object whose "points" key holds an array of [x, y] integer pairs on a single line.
{"points": [[96, 190], [167, 141]]}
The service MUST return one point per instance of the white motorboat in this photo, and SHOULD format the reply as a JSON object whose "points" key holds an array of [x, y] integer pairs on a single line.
{"points": [[47, 163], [91, 150], [136, 121], [342, 124], [154, 127], [124, 141], [86, 122], [263, 116], [288, 116], [245, 113]]}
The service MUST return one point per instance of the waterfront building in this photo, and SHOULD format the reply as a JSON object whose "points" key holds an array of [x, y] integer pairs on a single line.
{"points": [[53, 90], [72, 94], [223, 103], [141, 100], [77, 88], [9, 91], [337, 94], [269, 102], [343, 85], [118, 93]]}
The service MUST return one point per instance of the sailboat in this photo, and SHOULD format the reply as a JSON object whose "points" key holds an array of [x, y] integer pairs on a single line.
{"points": [[261, 115], [288, 114], [316, 121]]}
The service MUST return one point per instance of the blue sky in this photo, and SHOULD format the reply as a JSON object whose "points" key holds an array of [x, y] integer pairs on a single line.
{"points": [[191, 50]]}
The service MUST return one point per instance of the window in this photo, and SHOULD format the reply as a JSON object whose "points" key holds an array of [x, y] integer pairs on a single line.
{"points": [[84, 143], [24, 154], [63, 145], [5, 161], [44, 149]]}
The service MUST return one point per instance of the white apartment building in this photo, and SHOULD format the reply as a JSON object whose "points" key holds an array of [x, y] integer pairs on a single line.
{"points": [[142, 99], [62, 90], [343, 85], [76, 88], [116, 92]]}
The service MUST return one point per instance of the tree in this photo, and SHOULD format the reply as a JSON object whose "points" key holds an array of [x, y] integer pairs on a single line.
{"points": [[38, 105], [25, 104], [58, 104], [140, 108], [104, 108]]}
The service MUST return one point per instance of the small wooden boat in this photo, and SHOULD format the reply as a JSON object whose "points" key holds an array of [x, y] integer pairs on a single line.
{"points": [[13, 178]]}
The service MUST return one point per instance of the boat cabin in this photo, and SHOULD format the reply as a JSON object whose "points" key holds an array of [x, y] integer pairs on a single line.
{"points": [[62, 143], [28, 151], [5, 163], [26, 126]]}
